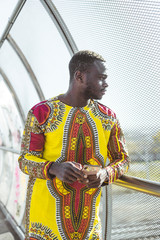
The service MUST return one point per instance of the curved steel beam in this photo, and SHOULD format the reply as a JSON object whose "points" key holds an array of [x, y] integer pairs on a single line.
{"points": [[6, 149], [61, 26], [11, 21], [27, 66], [16, 100], [140, 185]]}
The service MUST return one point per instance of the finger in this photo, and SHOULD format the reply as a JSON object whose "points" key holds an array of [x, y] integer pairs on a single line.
{"points": [[94, 184], [78, 165], [78, 173], [71, 169], [84, 181], [92, 177], [73, 173], [73, 176], [69, 181]]}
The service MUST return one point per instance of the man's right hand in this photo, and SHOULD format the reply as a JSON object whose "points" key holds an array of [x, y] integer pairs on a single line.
{"points": [[68, 172]]}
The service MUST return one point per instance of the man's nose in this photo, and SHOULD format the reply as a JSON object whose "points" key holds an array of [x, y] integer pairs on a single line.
{"points": [[105, 84]]}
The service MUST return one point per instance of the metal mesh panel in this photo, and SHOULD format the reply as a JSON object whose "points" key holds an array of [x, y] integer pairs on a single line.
{"points": [[127, 34], [135, 215]]}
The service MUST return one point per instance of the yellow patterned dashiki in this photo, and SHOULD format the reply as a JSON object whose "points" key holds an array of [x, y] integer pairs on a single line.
{"points": [[58, 132]]}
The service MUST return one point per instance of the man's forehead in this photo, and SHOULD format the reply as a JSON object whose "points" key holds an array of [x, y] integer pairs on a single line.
{"points": [[101, 66]]}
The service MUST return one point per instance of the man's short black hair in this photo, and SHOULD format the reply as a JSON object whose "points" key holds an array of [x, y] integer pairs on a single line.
{"points": [[82, 60]]}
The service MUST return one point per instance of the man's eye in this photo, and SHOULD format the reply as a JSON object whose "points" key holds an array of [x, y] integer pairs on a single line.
{"points": [[102, 78]]}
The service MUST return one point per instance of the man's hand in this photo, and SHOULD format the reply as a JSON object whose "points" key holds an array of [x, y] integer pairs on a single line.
{"points": [[96, 180], [68, 172]]}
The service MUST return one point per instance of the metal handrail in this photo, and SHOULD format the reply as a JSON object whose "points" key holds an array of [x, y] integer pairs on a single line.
{"points": [[140, 185]]}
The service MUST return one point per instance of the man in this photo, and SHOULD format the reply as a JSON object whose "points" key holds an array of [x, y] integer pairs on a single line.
{"points": [[62, 135]]}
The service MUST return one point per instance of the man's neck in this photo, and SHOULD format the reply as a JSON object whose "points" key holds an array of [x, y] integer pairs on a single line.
{"points": [[73, 99]]}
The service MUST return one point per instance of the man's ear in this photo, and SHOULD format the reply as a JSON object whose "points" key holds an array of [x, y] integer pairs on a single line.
{"points": [[78, 76]]}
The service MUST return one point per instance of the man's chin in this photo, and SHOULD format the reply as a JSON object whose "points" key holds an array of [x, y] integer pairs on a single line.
{"points": [[97, 97]]}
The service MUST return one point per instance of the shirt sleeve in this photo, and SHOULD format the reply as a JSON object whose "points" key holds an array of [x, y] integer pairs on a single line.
{"points": [[117, 154], [31, 160]]}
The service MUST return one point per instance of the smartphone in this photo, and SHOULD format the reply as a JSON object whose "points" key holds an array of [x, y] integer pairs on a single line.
{"points": [[91, 169]]}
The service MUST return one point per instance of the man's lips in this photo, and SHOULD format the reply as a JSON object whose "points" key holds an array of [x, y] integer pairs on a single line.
{"points": [[103, 90]]}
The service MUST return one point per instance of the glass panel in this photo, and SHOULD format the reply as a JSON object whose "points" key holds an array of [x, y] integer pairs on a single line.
{"points": [[135, 215], [6, 9], [6, 159], [43, 47], [13, 183], [11, 125], [17, 196], [18, 77]]}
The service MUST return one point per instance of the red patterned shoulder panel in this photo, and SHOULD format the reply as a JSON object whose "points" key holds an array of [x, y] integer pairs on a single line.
{"points": [[49, 114], [41, 112], [105, 110]]}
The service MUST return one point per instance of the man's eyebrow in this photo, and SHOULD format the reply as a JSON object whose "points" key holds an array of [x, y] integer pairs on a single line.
{"points": [[104, 75]]}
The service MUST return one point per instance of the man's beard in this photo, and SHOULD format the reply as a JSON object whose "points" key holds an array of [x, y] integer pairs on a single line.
{"points": [[90, 93]]}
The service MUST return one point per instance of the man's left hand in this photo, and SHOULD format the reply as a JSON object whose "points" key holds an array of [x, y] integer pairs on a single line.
{"points": [[96, 180]]}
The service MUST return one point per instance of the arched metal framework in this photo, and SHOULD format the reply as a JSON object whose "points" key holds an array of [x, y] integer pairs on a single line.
{"points": [[27, 66], [11, 21], [15, 97], [61, 26]]}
